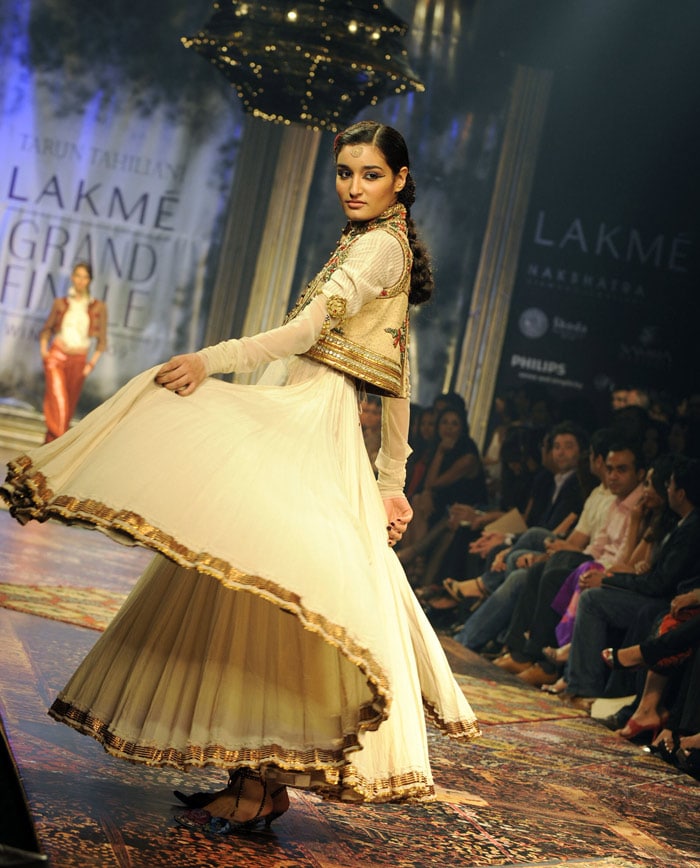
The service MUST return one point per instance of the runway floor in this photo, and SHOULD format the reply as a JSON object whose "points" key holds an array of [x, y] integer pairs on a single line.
{"points": [[538, 789]]}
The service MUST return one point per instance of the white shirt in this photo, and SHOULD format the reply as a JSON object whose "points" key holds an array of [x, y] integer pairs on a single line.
{"points": [[75, 325]]}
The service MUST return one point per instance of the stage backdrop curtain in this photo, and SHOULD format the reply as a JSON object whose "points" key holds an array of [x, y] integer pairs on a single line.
{"points": [[118, 147]]}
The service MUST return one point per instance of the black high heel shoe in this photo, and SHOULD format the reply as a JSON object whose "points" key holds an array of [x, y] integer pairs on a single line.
{"points": [[611, 659], [199, 801], [663, 751], [201, 818], [689, 760]]}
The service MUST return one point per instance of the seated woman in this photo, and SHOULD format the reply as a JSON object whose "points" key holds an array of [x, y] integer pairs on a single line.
{"points": [[668, 706], [423, 446], [454, 473]]}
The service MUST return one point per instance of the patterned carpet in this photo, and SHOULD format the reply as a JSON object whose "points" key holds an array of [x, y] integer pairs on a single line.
{"points": [[85, 607], [544, 786], [545, 792]]}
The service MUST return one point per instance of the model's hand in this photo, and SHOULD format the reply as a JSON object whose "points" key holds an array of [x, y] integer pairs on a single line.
{"points": [[87, 369], [182, 374], [398, 514]]}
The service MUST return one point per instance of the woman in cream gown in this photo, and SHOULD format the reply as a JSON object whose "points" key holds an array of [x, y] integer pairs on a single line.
{"points": [[274, 631]]}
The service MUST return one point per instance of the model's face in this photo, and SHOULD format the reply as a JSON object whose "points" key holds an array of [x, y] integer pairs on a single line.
{"points": [[81, 279], [365, 184], [565, 452]]}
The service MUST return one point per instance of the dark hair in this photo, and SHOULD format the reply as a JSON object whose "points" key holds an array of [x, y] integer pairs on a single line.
{"points": [[601, 441], [621, 444], [453, 400], [520, 444], [574, 430], [686, 475], [85, 265], [392, 145], [463, 439], [660, 525], [662, 468], [630, 421]]}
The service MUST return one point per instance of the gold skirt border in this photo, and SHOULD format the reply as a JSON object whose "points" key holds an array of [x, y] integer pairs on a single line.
{"points": [[327, 772]]}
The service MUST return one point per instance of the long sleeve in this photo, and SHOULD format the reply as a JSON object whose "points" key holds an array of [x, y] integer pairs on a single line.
{"points": [[52, 321], [247, 354], [394, 450], [678, 560], [374, 262]]}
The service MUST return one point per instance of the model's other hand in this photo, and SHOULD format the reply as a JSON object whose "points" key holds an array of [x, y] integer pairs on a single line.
{"points": [[182, 374], [398, 515]]}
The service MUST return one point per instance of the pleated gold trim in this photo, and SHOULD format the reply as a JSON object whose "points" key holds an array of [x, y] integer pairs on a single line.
{"points": [[327, 772]]}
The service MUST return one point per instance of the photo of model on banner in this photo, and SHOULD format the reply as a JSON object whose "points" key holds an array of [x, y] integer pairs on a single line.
{"points": [[122, 177]]}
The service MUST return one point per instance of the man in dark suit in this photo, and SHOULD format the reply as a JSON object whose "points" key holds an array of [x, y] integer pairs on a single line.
{"points": [[564, 499], [612, 601]]}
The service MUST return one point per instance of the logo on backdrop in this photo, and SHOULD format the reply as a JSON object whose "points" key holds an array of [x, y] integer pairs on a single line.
{"points": [[534, 323]]}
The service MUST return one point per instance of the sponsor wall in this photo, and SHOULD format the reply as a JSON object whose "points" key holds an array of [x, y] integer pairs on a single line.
{"points": [[100, 167], [609, 268]]}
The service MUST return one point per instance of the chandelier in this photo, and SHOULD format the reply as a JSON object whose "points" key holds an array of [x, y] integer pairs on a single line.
{"points": [[317, 64]]}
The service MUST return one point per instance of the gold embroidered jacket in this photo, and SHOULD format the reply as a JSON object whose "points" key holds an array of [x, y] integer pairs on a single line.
{"points": [[372, 345]]}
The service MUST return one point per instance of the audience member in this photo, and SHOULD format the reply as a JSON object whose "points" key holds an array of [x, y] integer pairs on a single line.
{"points": [[545, 615], [453, 473], [503, 417], [669, 699], [564, 504], [611, 601], [371, 423], [618, 397], [425, 440]]}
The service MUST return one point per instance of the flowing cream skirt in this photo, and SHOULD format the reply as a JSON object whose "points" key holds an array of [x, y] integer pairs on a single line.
{"points": [[275, 628]]}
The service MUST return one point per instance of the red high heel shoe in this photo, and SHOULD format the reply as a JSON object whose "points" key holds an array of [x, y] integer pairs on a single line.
{"points": [[636, 729]]}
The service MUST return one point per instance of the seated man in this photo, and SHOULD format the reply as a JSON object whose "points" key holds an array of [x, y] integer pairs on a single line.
{"points": [[559, 506], [495, 584], [610, 602], [624, 470], [534, 621]]}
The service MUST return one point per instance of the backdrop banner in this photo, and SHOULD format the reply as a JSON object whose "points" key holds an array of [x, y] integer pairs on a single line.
{"points": [[609, 262], [99, 169]]}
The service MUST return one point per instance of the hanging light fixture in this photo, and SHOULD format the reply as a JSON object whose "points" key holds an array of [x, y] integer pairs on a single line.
{"points": [[317, 64]]}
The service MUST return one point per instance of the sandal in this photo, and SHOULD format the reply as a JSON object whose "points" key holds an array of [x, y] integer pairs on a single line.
{"points": [[612, 660], [556, 656], [200, 816], [452, 586]]}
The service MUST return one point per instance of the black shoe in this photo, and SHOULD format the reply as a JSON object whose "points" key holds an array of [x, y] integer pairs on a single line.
{"points": [[613, 721], [689, 760], [664, 752]]}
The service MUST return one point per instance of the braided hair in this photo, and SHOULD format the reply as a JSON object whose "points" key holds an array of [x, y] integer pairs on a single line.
{"points": [[393, 147]]}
